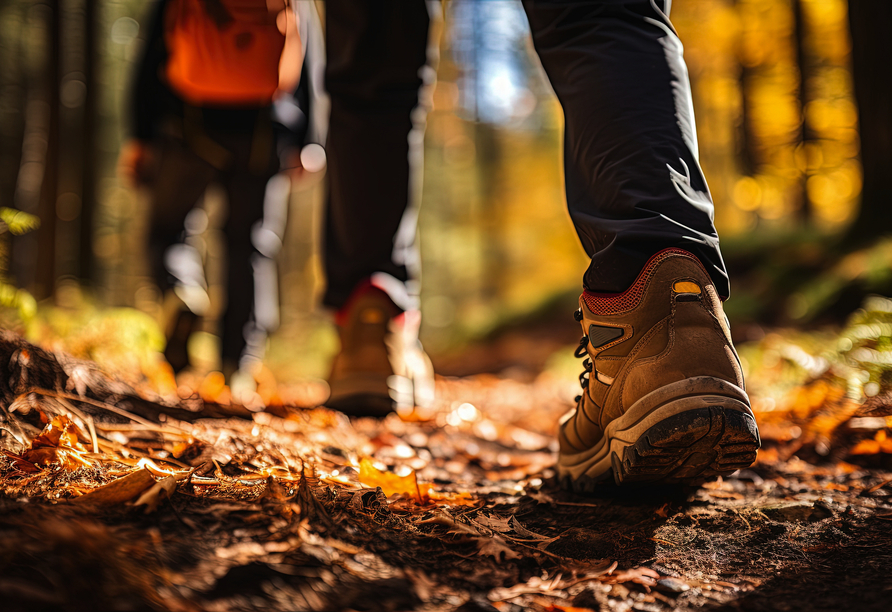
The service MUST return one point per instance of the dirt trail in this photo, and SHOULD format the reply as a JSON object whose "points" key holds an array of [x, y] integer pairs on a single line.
{"points": [[305, 510]]}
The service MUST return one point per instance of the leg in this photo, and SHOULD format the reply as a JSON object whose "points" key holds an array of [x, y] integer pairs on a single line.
{"points": [[634, 184], [246, 189], [180, 180], [376, 53], [663, 397], [377, 63]]}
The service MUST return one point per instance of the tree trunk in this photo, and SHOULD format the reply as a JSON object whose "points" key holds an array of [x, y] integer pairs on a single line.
{"points": [[45, 273], [86, 263], [870, 24], [806, 133]]}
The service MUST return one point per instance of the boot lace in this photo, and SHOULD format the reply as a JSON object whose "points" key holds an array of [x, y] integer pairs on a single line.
{"points": [[579, 353]]}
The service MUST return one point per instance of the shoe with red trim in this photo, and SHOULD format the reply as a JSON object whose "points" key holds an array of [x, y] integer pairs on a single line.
{"points": [[381, 366], [663, 393]]}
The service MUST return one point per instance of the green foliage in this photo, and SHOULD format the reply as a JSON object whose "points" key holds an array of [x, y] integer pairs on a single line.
{"points": [[20, 300], [856, 359], [866, 343], [12, 298], [17, 222]]}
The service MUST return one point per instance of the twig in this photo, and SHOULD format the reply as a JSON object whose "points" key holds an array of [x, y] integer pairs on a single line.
{"points": [[14, 437], [115, 446], [541, 550], [608, 570], [578, 504], [877, 487], [662, 541], [92, 427], [111, 408], [88, 420]]}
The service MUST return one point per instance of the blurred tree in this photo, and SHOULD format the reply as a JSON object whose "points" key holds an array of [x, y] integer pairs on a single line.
{"points": [[870, 23], [44, 278], [86, 259], [807, 136], [12, 98]]}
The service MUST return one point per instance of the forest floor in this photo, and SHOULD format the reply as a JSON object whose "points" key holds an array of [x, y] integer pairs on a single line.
{"points": [[114, 496]]}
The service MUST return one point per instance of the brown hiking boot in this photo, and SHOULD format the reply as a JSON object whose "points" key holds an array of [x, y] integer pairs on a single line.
{"points": [[381, 366], [663, 398]]}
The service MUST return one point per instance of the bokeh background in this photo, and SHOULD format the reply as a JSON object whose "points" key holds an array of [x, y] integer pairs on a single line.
{"points": [[777, 119]]}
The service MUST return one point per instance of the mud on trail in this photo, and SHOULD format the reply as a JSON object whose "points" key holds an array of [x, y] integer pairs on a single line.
{"points": [[116, 498]]}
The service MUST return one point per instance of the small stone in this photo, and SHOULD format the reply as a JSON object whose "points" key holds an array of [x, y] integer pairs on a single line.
{"points": [[673, 586], [619, 591]]}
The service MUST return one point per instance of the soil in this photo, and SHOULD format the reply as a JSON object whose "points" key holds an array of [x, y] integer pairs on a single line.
{"points": [[304, 509]]}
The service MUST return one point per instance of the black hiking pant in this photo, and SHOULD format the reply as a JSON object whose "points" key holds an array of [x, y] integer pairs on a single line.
{"points": [[234, 149], [633, 181]]}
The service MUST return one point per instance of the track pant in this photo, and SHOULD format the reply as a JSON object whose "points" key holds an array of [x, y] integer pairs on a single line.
{"points": [[633, 180]]}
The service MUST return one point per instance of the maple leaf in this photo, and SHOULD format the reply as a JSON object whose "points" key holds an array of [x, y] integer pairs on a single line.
{"points": [[495, 547], [495, 523]]}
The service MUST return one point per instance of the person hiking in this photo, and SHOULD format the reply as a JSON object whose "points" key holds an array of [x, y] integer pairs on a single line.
{"points": [[220, 98], [663, 396]]}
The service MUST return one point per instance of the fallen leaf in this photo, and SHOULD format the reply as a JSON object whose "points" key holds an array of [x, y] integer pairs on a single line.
{"points": [[389, 482], [540, 497], [496, 547], [663, 511], [60, 432], [496, 523], [526, 533], [119, 490], [160, 491], [443, 518], [640, 575], [57, 444]]}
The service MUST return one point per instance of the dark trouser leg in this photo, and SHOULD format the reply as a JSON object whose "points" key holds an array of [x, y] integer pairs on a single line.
{"points": [[246, 191], [376, 50], [181, 179], [634, 185]]}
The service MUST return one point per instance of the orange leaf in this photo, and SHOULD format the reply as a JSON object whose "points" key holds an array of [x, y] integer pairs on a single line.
{"points": [[389, 482], [57, 444], [866, 447], [60, 432], [213, 389], [120, 490]]}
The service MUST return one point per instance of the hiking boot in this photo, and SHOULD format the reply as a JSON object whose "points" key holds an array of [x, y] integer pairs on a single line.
{"points": [[381, 366], [663, 394]]}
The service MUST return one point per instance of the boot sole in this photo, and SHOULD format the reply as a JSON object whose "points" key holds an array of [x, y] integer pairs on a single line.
{"points": [[365, 404], [694, 429], [361, 396]]}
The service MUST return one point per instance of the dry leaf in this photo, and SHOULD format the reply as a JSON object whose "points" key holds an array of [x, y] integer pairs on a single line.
{"points": [[57, 445], [496, 523], [640, 575], [495, 547], [161, 490], [389, 482], [120, 490], [526, 533]]}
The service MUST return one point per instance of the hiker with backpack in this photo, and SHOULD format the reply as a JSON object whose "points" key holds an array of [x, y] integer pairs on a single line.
{"points": [[220, 97]]}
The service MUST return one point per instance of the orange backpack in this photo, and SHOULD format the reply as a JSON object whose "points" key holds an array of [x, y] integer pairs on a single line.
{"points": [[223, 52]]}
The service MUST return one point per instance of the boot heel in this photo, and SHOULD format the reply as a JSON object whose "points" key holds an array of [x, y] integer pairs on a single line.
{"points": [[693, 444]]}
